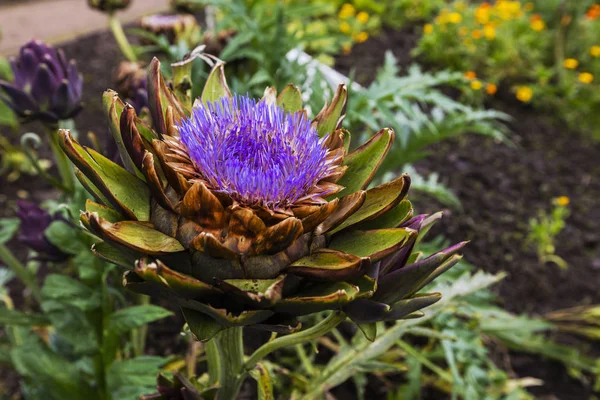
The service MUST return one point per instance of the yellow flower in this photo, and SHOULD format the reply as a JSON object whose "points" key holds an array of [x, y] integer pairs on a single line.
{"points": [[586, 77], [489, 32], [428, 28], [476, 84], [491, 89], [345, 27], [347, 10], [362, 17], [361, 37], [476, 34], [536, 23], [463, 31], [454, 18], [595, 51], [524, 94], [470, 75], [570, 63], [482, 14], [346, 48], [562, 201], [441, 19], [460, 5]]}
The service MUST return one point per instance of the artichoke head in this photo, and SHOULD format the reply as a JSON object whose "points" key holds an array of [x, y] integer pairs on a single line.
{"points": [[246, 213]]}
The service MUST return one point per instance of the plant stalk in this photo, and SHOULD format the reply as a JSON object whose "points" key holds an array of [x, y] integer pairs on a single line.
{"points": [[120, 38], [323, 327], [28, 279], [225, 354]]}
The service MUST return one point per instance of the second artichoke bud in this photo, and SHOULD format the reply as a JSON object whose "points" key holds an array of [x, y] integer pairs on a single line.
{"points": [[109, 5]]}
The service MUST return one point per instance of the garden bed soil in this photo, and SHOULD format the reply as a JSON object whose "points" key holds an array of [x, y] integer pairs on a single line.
{"points": [[500, 187]]}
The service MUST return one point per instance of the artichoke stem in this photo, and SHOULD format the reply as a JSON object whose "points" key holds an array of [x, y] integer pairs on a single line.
{"points": [[64, 165], [315, 332], [225, 354], [119, 34], [28, 279]]}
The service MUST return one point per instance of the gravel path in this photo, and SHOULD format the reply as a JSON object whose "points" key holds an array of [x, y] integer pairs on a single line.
{"points": [[60, 20]]}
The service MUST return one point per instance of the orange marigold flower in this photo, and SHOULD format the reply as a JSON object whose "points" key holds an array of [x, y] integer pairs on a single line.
{"points": [[536, 23], [476, 34], [562, 201], [491, 89], [595, 51], [470, 75], [593, 12], [524, 94]]}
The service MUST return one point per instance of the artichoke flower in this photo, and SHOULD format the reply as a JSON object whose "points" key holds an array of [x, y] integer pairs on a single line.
{"points": [[109, 6], [244, 212], [46, 86], [173, 27]]}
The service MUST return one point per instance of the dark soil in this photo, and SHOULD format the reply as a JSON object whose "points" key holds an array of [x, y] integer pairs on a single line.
{"points": [[501, 187]]}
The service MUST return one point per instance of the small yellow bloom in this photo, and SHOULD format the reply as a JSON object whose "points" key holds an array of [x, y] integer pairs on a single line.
{"points": [[345, 27], [454, 18], [595, 51], [460, 5], [562, 201], [428, 28], [347, 11], [346, 48], [463, 31], [489, 32], [476, 34], [361, 37], [441, 19], [586, 77], [470, 75], [536, 23], [491, 89], [476, 84], [482, 14], [362, 17], [524, 94], [570, 63]]}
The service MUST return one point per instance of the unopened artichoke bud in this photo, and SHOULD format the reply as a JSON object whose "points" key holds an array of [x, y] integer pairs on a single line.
{"points": [[130, 79], [245, 212], [34, 222], [46, 86], [174, 27], [186, 6], [109, 6]]}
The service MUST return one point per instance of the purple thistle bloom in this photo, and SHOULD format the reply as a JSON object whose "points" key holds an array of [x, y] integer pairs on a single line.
{"points": [[254, 151], [46, 86], [34, 222]]}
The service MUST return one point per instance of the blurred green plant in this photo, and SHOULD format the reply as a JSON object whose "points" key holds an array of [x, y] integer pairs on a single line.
{"points": [[7, 116], [544, 229]]}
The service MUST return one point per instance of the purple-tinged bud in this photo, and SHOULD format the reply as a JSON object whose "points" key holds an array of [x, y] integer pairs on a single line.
{"points": [[34, 222]]}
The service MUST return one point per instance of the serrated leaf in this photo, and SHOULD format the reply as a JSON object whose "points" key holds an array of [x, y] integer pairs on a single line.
{"points": [[129, 318], [68, 290], [18, 318]]}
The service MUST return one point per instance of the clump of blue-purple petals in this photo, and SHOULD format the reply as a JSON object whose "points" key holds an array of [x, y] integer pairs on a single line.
{"points": [[255, 152], [34, 222], [46, 86]]}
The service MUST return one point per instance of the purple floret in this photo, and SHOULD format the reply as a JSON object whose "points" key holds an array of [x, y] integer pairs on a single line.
{"points": [[255, 152]]}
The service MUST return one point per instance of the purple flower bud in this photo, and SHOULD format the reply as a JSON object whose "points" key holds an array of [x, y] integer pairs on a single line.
{"points": [[46, 87], [34, 222]]}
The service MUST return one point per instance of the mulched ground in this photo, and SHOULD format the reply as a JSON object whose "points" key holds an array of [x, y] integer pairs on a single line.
{"points": [[500, 187]]}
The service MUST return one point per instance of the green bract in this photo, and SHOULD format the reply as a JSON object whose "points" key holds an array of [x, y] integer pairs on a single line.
{"points": [[226, 263]]}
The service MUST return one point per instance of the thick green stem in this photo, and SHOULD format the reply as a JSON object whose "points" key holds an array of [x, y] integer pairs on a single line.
{"points": [[28, 279], [138, 335], [225, 354], [65, 168], [122, 42], [323, 327]]}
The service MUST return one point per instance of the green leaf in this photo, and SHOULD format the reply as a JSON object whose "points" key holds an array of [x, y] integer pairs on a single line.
{"points": [[327, 265], [263, 380], [17, 318], [363, 162], [391, 219], [216, 85], [130, 318], [369, 330], [290, 99], [202, 326], [8, 228], [125, 191], [134, 376], [59, 378], [103, 211], [72, 325], [113, 255], [65, 237], [68, 290], [374, 244]]}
